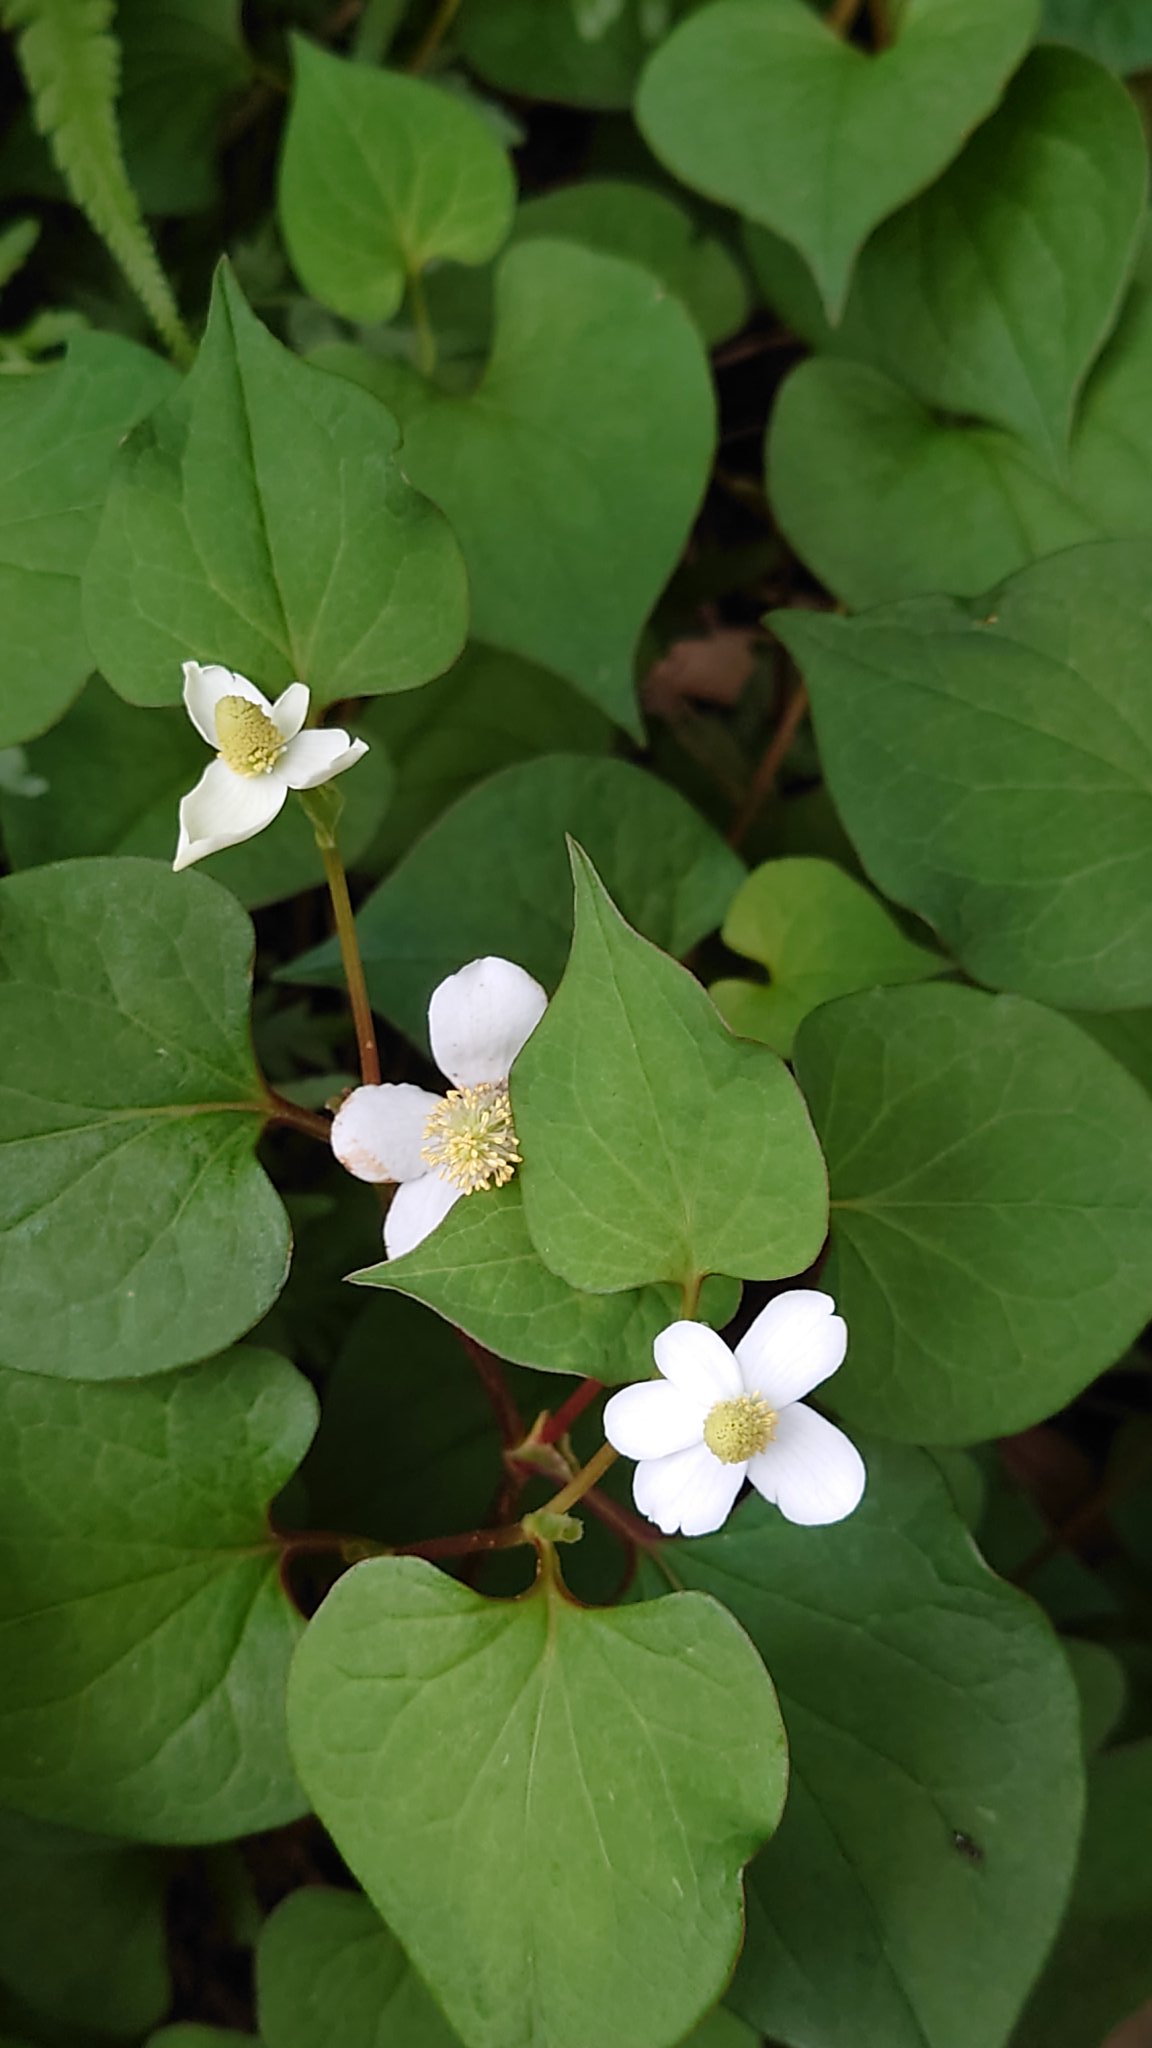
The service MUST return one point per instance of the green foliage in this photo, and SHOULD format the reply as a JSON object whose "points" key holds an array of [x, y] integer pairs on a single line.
{"points": [[142, 1689], [81, 1926], [563, 1750], [183, 63], [328, 1969]]}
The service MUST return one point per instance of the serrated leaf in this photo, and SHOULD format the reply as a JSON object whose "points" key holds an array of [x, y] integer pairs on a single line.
{"points": [[632, 1099], [137, 1231], [380, 175], [976, 790], [991, 1175], [260, 519], [820, 934], [328, 1969], [573, 472], [570, 1743], [936, 1783], [146, 1633], [492, 877], [481, 1271], [59, 432], [760, 104], [82, 1935]]}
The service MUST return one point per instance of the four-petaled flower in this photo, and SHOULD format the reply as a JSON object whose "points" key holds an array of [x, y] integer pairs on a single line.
{"points": [[719, 1416], [262, 753], [440, 1147]]}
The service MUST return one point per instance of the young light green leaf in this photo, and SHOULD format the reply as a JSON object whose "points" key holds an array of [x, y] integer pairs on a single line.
{"points": [[59, 432], [573, 472], [146, 1633], [261, 519], [328, 1970], [761, 105], [382, 174], [181, 64], [991, 1173], [492, 877], [820, 934], [627, 1760], [82, 1936], [657, 1146], [936, 1781], [976, 789], [137, 1231], [481, 1271]]}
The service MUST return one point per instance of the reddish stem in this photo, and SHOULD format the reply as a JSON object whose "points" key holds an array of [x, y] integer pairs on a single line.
{"points": [[490, 1373], [556, 1426], [775, 754], [307, 1120]]}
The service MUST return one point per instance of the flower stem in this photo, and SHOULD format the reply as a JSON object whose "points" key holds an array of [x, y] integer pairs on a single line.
{"points": [[587, 1476], [308, 1120], [349, 947]]}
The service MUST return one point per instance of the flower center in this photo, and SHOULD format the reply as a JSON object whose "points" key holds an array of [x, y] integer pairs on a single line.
{"points": [[470, 1138], [735, 1430], [249, 742]]}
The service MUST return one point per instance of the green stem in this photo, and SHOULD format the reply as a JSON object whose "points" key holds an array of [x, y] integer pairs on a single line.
{"points": [[585, 1478], [434, 35], [322, 810], [425, 332]]}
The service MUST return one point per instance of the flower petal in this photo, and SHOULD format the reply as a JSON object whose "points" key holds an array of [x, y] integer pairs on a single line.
{"points": [[290, 710], [795, 1343], [203, 689], [480, 1018], [417, 1207], [810, 1469], [224, 809], [653, 1418], [315, 757], [699, 1362], [377, 1132], [691, 1491]]}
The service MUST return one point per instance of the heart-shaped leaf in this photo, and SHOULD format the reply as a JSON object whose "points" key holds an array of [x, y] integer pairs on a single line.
{"points": [[146, 1632], [632, 1098], [991, 1174], [328, 1970], [137, 1231], [760, 104], [573, 472], [260, 519], [381, 175], [630, 1759]]}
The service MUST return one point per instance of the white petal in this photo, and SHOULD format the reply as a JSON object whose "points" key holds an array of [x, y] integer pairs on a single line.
{"points": [[224, 809], [203, 689], [810, 1469], [290, 710], [699, 1362], [417, 1207], [691, 1491], [480, 1018], [652, 1418], [795, 1344], [378, 1132], [315, 757]]}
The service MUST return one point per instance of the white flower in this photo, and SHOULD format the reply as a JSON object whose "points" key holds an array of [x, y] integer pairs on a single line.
{"points": [[440, 1147], [718, 1416], [262, 753]]}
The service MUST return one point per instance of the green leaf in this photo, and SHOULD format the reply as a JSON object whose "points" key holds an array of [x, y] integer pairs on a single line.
{"points": [[59, 432], [572, 474], [110, 781], [926, 1850], [17, 242], [581, 1746], [884, 501], [491, 877], [991, 1173], [181, 63], [82, 1935], [632, 1102], [649, 228], [759, 104], [536, 48], [722, 2029], [481, 1271], [260, 519], [137, 1231], [328, 1970], [1101, 1967], [146, 1632], [380, 175], [1126, 1034], [993, 767], [1102, 1684], [1117, 32], [990, 296], [190, 2035], [820, 934]]}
